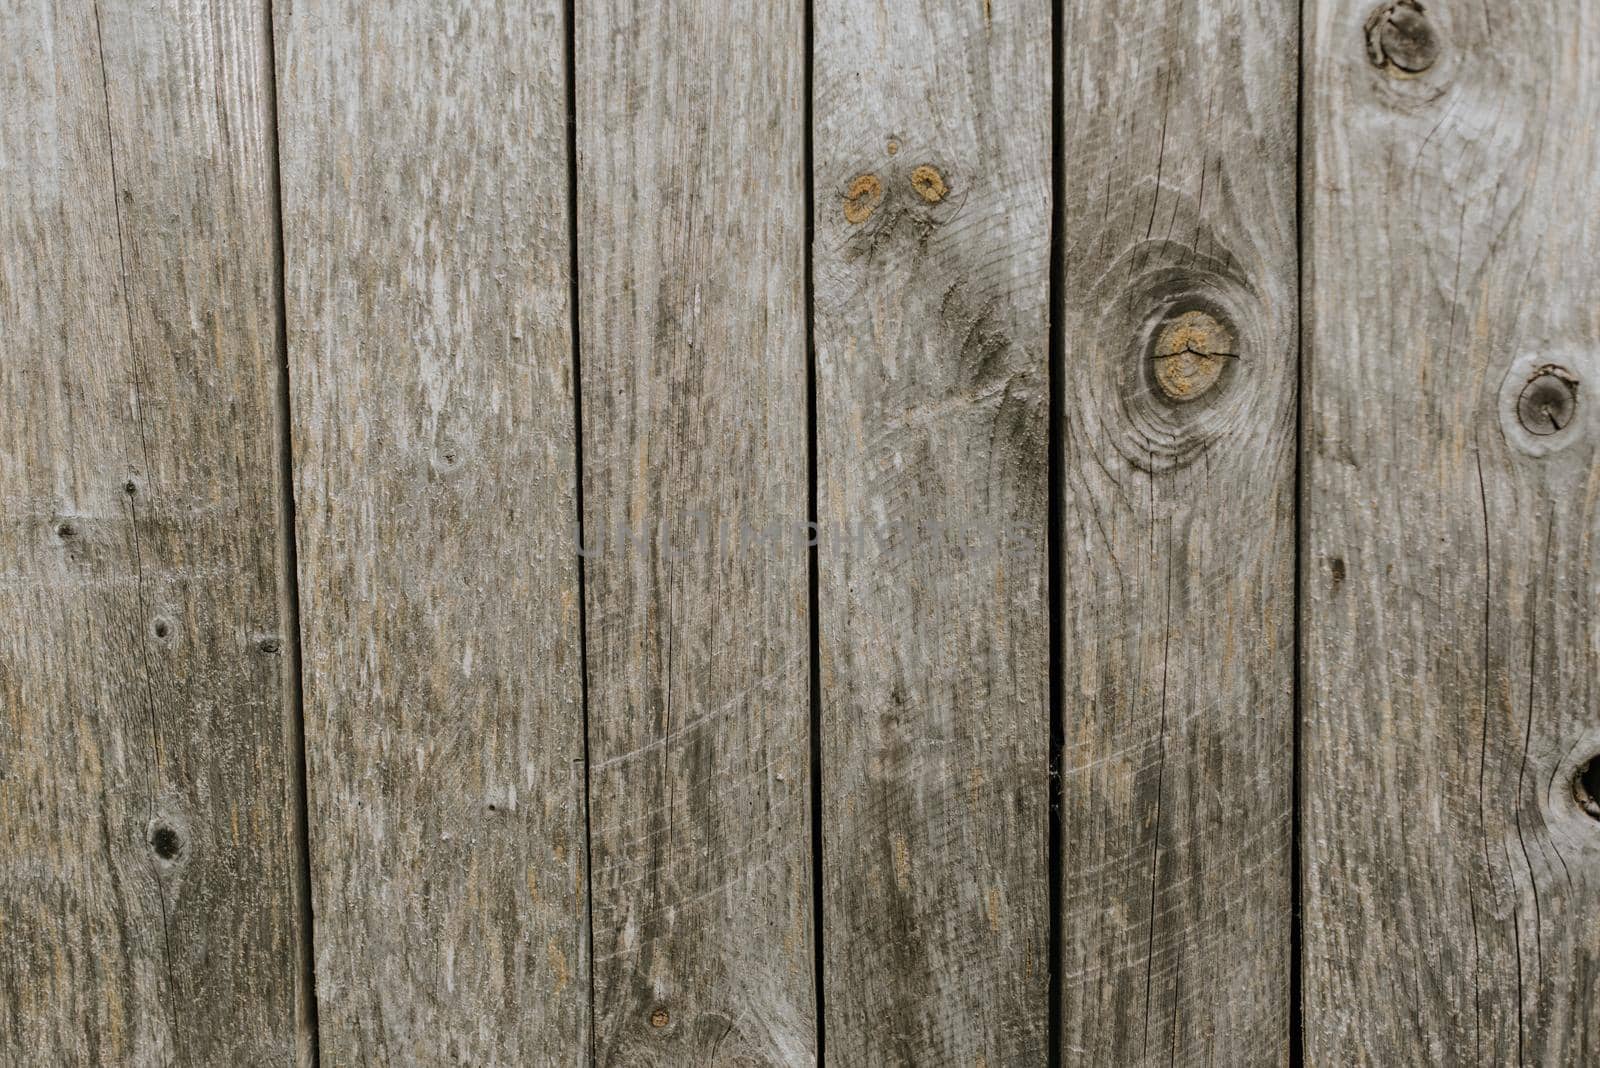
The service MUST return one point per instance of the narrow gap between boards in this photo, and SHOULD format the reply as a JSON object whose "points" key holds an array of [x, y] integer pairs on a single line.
{"points": [[570, 46], [1056, 357], [289, 562], [812, 557], [1296, 938]]}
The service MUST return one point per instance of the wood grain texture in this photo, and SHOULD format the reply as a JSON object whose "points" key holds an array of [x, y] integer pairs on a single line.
{"points": [[932, 149], [148, 884], [427, 249], [1178, 321], [691, 241], [1451, 643]]}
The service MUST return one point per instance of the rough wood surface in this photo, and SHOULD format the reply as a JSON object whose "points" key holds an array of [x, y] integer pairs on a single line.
{"points": [[153, 886], [1178, 320], [691, 231], [148, 880], [426, 237], [1451, 640], [932, 177]]}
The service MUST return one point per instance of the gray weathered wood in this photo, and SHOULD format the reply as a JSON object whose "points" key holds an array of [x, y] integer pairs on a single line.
{"points": [[427, 252], [932, 177], [148, 880], [691, 231], [1452, 882], [1177, 554]]}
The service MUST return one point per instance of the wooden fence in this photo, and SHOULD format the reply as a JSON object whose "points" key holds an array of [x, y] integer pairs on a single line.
{"points": [[1196, 661]]}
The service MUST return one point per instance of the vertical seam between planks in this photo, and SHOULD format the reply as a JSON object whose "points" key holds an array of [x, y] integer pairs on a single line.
{"points": [[288, 554], [1296, 919], [814, 599], [1055, 455], [570, 44]]}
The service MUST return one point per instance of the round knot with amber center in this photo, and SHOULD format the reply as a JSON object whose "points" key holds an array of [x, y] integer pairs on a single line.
{"points": [[1190, 354]]}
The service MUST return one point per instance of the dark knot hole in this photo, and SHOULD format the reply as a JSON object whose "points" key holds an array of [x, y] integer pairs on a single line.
{"points": [[165, 841], [1586, 787]]}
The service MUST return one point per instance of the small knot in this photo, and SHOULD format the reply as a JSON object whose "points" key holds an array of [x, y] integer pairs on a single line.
{"points": [[1549, 402], [659, 1018], [862, 198], [449, 459], [1400, 37], [929, 184], [165, 841], [1586, 787], [1190, 354], [269, 645]]}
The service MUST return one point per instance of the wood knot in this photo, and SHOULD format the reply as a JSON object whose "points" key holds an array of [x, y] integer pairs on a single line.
{"points": [[929, 184], [1548, 402], [165, 841], [862, 198], [1539, 402], [449, 459], [659, 1018], [1586, 788], [1400, 38], [1190, 354]]}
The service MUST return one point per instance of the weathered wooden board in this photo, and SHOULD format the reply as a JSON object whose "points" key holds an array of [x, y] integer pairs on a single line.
{"points": [[932, 214], [427, 249], [1178, 322], [1452, 882], [149, 911], [691, 241]]}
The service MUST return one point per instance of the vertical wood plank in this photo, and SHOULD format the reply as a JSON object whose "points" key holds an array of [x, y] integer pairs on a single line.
{"points": [[691, 231], [1178, 320], [426, 237], [148, 888], [932, 164], [1452, 225]]}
